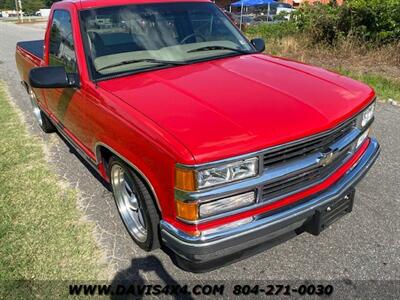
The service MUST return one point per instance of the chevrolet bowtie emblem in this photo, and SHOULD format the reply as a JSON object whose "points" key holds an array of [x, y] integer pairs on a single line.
{"points": [[326, 158]]}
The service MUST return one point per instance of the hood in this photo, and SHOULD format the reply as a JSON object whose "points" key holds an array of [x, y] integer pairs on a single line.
{"points": [[232, 106]]}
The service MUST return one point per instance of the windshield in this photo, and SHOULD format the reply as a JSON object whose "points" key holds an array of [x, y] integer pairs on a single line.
{"points": [[125, 39]]}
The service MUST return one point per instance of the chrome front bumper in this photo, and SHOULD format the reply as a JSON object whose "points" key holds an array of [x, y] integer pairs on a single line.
{"points": [[200, 253]]}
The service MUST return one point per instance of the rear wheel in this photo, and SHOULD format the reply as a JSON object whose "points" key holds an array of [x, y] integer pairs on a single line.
{"points": [[39, 115], [135, 204]]}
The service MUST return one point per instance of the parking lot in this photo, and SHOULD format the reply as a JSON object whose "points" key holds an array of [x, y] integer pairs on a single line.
{"points": [[364, 245]]}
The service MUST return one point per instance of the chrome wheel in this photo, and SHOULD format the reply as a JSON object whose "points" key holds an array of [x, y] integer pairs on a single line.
{"points": [[35, 108], [128, 203]]}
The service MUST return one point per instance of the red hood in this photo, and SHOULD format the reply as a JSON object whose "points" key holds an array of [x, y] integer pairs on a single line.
{"points": [[232, 106]]}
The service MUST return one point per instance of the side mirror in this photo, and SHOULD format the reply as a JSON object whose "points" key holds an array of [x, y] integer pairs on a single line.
{"points": [[52, 77], [259, 44]]}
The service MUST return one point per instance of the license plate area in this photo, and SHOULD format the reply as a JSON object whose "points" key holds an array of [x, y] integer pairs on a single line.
{"points": [[328, 214]]}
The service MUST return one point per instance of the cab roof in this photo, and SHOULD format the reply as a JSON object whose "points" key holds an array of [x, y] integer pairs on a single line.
{"points": [[85, 4]]}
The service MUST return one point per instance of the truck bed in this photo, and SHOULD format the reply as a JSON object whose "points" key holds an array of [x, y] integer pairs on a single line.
{"points": [[33, 47]]}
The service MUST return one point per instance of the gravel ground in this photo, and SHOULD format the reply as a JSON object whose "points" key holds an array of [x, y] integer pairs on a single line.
{"points": [[364, 245]]}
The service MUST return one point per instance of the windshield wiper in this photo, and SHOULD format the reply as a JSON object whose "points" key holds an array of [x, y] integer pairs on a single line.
{"points": [[216, 47], [151, 60]]}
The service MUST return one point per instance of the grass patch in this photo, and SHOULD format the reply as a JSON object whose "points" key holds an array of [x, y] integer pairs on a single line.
{"points": [[42, 233], [385, 88], [271, 31]]}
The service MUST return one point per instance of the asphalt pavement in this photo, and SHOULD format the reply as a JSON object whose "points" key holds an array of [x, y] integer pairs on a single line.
{"points": [[364, 245]]}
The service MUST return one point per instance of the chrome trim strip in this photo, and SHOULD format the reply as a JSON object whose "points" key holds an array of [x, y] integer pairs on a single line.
{"points": [[345, 141], [304, 210], [78, 149], [98, 156]]}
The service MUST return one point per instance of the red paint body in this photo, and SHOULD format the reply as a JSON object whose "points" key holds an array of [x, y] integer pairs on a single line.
{"points": [[198, 113]]}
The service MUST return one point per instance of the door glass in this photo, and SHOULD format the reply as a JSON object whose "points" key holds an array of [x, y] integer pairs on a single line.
{"points": [[62, 51]]}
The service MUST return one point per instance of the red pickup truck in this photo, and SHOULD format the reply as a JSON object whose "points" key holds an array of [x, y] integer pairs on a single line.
{"points": [[212, 149]]}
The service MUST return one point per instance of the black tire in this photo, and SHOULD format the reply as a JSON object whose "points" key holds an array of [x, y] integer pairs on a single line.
{"points": [[47, 126], [44, 122], [146, 204]]}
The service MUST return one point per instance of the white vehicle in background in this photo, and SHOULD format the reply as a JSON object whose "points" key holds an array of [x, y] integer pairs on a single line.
{"points": [[8, 13], [44, 12], [285, 9]]}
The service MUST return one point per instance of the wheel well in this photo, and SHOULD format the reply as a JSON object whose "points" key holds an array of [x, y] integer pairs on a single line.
{"points": [[104, 154]]}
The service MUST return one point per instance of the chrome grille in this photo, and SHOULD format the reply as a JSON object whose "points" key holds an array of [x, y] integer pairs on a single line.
{"points": [[299, 182], [313, 173], [309, 146]]}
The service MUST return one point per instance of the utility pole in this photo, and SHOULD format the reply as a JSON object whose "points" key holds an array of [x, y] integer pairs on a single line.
{"points": [[17, 8], [20, 9]]}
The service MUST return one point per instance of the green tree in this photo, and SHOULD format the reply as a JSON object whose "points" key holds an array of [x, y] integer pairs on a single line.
{"points": [[376, 21], [49, 3], [31, 6], [7, 4], [28, 6]]}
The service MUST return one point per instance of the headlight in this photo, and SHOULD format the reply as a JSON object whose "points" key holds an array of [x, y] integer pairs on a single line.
{"points": [[226, 204], [193, 211], [192, 179], [366, 116], [227, 173]]}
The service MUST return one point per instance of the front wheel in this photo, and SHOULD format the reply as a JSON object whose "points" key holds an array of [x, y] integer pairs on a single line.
{"points": [[135, 205]]}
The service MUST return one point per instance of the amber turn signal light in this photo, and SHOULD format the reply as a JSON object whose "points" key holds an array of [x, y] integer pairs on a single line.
{"points": [[186, 210], [185, 179]]}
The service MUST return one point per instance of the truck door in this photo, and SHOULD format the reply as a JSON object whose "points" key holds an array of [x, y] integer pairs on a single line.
{"points": [[66, 105]]}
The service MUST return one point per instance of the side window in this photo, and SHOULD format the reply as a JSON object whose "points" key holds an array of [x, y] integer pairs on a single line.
{"points": [[62, 50]]}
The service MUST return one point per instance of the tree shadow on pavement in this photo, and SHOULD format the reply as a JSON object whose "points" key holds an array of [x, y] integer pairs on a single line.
{"points": [[136, 275]]}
